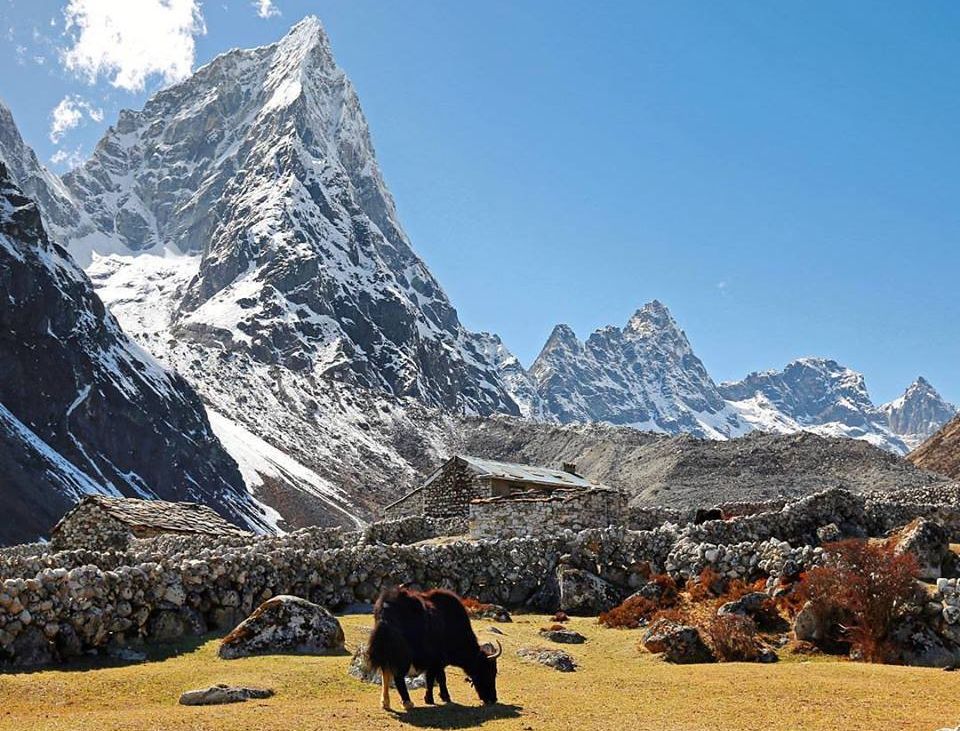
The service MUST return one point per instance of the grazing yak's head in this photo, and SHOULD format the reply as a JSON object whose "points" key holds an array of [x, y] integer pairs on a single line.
{"points": [[483, 673]]}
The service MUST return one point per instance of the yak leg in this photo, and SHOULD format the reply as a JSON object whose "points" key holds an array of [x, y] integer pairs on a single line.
{"points": [[385, 678], [442, 679], [400, 680], [431, 679]]}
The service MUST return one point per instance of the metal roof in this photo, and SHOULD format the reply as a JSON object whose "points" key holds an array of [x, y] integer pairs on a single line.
{"points": [[524, 473]]}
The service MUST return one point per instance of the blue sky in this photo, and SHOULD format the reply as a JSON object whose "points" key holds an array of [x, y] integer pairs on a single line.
{"points": [[782, 175]]}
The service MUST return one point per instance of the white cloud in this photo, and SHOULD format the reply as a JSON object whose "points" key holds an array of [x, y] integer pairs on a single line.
{"points": [[69, 159], [68, 114], [131, 40], [266, 8]]}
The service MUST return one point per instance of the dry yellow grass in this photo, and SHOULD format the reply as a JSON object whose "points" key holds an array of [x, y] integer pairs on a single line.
{"points": [[616, 687]]}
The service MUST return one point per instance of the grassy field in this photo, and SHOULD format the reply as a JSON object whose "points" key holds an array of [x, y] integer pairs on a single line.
{"points": [[616, 687]]}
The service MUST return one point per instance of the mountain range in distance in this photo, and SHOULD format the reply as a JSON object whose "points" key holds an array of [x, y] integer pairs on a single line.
{"points": [[239, 243]]}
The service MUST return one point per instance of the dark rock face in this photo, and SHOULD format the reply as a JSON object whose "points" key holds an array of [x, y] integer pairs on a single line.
{"points": [[59, 210], [84, 409]]}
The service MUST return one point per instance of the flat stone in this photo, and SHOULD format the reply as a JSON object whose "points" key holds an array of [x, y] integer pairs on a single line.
{"points": [[217, 695]]}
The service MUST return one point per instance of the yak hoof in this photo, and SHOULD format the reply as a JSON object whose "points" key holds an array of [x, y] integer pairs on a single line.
{"points": [[408, 705], [429, 700]]}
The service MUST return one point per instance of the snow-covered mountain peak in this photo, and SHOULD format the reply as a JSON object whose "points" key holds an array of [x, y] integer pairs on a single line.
{"points": [[918, 413], [262, 164], [652, 319], [644, 375]]}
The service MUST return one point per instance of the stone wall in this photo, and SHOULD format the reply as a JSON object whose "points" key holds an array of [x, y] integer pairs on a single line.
{"points": [[88, 526], [56, 606], [413, 529], [537, 512], [449, 494], [409, 505]]}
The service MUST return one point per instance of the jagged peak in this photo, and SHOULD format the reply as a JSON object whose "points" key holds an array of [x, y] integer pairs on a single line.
{"points": [[652, 319], [562, 334]]}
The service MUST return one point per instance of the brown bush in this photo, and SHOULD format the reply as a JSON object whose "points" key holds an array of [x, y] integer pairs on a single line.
{"points": [[704, 588], [733, 638], [633, 613], [474, 606], [861, 589], [560, 617], [667, 589], [671, 615]]}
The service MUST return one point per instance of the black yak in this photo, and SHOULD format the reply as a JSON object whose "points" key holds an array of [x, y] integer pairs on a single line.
{"points": [[428, 631]]}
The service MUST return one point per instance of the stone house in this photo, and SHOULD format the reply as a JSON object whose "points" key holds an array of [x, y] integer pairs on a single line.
{"points": [[449, 491], [100, 523]]}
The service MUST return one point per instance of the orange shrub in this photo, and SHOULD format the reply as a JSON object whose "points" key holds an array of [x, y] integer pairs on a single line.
{"points": [[705, 586], [862, 588], [474, 606], [633, 613], [637, 610], [733, 638]]}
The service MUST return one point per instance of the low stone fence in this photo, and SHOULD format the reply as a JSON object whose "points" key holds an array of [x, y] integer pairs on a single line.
{"points": [[413, 529], [57, 606], [535, 512]]}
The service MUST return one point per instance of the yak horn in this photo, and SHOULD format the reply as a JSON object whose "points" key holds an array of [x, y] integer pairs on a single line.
{"points": [[498, 652]]}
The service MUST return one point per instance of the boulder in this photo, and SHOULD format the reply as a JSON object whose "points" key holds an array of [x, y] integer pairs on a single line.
{"points": [[748, 605], [678, 643], [219, 694], [285, 624], [556, 659], [807, 626], [929, 542], [361, 670], [585, 594], [918, 644], [563, 636]]}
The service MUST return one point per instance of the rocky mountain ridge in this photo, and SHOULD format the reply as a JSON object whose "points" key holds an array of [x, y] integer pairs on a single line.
{"points": [[84, 409]]}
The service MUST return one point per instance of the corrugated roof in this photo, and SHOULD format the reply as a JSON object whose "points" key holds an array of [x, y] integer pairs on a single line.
{"points": [[164, 516], [525, 473]]}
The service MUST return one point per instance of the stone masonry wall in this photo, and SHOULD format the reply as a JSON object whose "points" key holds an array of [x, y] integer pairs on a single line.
{"points": [[450, 493], [538, 512], [90, 527], [408, 506], [57, 606]]}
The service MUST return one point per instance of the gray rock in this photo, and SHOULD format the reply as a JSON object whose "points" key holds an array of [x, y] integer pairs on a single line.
{"points": [[360, 669], [747, 605], [929, 542], [219, 694], [556, 659], [807, 626], [285, 624], [583, 593], [678, 643], [563, 636]]}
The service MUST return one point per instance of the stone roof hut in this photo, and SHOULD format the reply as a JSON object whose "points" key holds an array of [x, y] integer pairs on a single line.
{"points": [[100, 523], [449, 490]]}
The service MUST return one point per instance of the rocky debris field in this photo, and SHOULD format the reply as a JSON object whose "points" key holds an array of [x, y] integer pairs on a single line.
{"points": [[680, 471]]}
